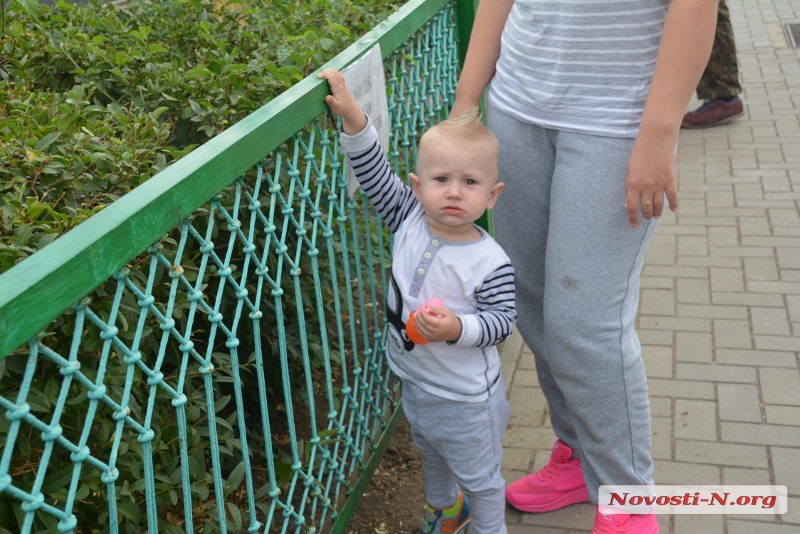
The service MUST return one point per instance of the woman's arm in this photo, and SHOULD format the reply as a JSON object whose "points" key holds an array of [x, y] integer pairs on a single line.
{"points": [[685, 48], [482, 54]]}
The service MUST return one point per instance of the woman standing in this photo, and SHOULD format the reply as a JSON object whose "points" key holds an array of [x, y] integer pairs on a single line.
{"points": [[586, 99]]}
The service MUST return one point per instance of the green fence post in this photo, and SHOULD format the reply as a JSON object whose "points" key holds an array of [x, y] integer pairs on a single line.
{"points": [[465, 18]]}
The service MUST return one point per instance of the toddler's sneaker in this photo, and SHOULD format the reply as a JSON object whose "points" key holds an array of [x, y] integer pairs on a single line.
{"points": [[624, 523], [453, 520], [556, 485]]}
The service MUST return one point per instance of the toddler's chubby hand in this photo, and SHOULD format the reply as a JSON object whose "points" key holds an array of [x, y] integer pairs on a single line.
{"points": [[342, 103], [432, 328]]}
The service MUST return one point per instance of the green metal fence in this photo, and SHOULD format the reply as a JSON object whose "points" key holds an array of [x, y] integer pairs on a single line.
{"points": [[206, 354]]}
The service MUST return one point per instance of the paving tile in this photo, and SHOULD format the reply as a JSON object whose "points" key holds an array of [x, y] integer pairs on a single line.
{"points": [[780, 217], [527, 406], [692, 246], [724, 262], [694, 291], [660, 254], [723, 237], [516, 459], [769, 321], [762, 358], [782, 415], [526, 378], [661, 441], [654, 337], [780, 386], [739, 402], [726, 280], [760, 269], [742, 476], [680, 389], [526, 360], [741, 526], [715, 453], [674, 323], [685, 473], [732, 334], [695, 420], [793, 515], [759, 434], [715, 373], [656, 282], [747, 299], [710, 311], [522, 436], [660, 407], [699, 524], [753, 226], [693, 347], [785, 343], [657, 360], [576, 516], [657, 302]]}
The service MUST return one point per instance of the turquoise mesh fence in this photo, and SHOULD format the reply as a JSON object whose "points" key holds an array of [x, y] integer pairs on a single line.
{"points": [[231, 377]]}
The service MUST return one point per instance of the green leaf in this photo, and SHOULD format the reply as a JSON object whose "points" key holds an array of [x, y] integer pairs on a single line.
{"points": [[156, 48], [31, 6], [68, 122], [46, 240], [235, 479], [46, 141], [236, 516], [159, 111]]}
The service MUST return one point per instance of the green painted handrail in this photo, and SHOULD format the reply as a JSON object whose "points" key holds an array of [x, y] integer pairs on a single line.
{"points": [[37, 290]]}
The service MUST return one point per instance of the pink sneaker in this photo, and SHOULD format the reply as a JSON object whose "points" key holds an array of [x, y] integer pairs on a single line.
{"points": [[624, 524], [556, 485]]}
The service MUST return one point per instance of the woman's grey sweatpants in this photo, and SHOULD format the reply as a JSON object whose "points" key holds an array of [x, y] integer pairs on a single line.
{"points": [[562, 221], [461, 447]]}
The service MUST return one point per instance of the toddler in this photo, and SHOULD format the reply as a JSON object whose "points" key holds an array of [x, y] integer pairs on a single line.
{"points": [[453, 390]]}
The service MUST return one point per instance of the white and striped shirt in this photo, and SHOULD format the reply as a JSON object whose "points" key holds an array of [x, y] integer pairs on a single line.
{"points": [[579, 65], [474, 279]]}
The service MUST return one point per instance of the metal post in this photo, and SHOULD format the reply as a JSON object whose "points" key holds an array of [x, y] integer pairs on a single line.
{"points": [[465, 18]]}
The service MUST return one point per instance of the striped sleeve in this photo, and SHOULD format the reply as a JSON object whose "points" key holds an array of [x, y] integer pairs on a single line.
{"points": [[393, 199], [497, 312]]}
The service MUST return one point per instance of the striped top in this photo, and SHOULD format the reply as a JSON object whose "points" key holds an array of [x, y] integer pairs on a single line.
{"points": [[581, 66], [474, 279]]}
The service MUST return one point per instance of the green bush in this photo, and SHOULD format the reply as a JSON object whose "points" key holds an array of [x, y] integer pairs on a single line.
{"points": [[93, 102]]}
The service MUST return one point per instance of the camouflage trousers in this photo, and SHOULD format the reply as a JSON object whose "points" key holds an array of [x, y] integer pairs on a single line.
{"points": [[721, 77]]}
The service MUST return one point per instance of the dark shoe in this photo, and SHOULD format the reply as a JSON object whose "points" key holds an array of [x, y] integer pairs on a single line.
{"points": [[713, 113]]}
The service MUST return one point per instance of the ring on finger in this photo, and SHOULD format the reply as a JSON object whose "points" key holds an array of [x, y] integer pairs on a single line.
{"points": [[647, 203]]}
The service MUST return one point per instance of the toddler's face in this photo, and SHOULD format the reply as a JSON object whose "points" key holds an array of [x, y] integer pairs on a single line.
{"points": [[457, 182]]}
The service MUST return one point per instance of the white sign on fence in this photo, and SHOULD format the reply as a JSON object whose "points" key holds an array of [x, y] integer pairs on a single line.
{"points": [[366, 80]]}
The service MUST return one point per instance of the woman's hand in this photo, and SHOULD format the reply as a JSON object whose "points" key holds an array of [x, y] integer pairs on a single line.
{"points": [[651, 175], [342, 103]]}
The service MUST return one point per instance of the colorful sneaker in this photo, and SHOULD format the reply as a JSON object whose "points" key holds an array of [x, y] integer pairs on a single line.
{"points": [[713, 113], [453, 520], [556, 485], [624, 523]]}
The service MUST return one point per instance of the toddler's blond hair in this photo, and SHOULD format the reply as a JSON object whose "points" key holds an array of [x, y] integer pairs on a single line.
{"points": [[468, 127]]}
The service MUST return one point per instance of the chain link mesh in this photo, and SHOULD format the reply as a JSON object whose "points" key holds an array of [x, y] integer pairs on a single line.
{"points": [[231, 377]]}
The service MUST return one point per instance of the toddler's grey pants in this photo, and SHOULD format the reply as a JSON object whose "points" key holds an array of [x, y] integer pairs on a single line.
{"points": [[562, 221], [461, 447]]}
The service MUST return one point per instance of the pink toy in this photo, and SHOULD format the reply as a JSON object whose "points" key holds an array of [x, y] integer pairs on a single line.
{"points": [[411, 331]]}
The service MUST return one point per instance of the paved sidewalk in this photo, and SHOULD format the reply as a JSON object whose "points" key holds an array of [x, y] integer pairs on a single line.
{"points": [[719, 316]]}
